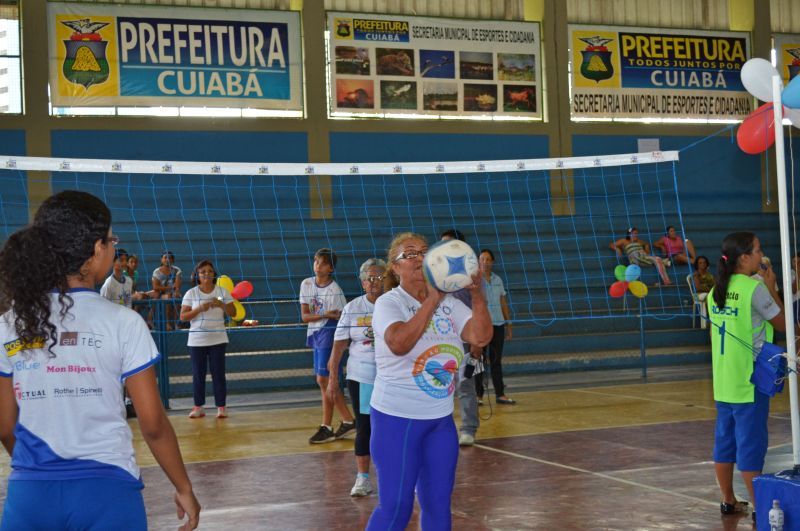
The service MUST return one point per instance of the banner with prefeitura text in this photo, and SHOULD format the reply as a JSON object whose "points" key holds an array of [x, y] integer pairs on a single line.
{"points": [[395, 64], [787, 52], [108, 55], [627, 72]]}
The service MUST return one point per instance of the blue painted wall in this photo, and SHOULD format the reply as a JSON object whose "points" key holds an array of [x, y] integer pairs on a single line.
{"points": [[14, 199]]}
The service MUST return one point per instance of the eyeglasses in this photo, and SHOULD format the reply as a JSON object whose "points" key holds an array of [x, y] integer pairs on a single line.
{"points": [[114, 240], [410, 255], [372, 279]]}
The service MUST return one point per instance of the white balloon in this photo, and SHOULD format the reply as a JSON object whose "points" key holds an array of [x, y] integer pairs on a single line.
{"points": [[793, 115], [757, 78]]}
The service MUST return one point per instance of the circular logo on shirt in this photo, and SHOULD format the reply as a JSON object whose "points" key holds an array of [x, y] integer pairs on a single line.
{"points": [[435, 370]]}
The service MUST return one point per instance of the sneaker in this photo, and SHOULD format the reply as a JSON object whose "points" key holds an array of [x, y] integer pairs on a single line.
{"points": [[222, 413], [323, 435], [465, 439], [361, 488], [197, 412], [344, 429]]}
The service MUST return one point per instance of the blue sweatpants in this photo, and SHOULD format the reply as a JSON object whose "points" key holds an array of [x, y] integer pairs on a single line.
{"points": [[74, 504], [411, 454]]}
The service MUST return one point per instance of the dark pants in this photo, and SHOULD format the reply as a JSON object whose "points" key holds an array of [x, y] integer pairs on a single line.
{"points": [[494, 351], [203, 358], [362, 421]]}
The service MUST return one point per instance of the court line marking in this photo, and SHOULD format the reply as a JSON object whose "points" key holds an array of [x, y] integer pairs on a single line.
{"points": [[599, 475], [658, 401]]}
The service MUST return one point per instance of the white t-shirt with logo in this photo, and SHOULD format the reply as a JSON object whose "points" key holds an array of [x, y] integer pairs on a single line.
{"points": [[207, 328], [419, 384], [118, 292], [321, 300], [71, 412], [355, 325]]}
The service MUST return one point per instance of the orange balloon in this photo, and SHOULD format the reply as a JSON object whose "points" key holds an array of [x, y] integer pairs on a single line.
{"points": [[617, 289], [757, 132]]}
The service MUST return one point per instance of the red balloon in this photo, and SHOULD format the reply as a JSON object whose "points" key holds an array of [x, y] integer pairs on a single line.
{"points": [[757, 132], [618, 289], [242, 290]]}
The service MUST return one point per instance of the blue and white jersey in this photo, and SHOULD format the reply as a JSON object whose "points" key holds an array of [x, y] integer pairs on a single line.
{"points": [[71, 412]]}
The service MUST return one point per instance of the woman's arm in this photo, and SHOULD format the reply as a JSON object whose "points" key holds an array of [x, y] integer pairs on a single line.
{"points": [[187, 313], [333, 367], [659, 244], [158, 287], [8, 413], [160, 438], [401, 336], [176, 286], [506, 315], [230, 309], [616, 247], [478, 330]]}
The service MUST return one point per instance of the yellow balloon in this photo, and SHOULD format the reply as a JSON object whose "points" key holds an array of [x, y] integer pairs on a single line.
{"points": [[240, 313], [224, 281], [639, 289]]}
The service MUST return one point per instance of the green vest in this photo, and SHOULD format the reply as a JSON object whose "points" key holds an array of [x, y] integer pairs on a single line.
{"points": [[732, 358]]}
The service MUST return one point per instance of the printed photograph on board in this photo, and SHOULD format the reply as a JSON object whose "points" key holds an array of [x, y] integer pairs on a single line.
{"points": [[398, 95], [440, 96], [516, 67], [394, 62], [437, 64], [481, 98], [476, 65], [355, 94], [519, 98], [352, 61]]}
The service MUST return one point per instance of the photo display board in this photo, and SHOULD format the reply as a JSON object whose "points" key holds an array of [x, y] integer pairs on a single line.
{"points": [[108, 55], [434, 66], [627, 72]]}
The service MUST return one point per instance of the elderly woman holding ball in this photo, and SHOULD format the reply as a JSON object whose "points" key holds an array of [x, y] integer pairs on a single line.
{"points": [[419, 337]]}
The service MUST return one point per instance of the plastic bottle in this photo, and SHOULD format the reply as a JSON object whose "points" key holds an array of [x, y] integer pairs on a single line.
{"points": [[776, 517]]}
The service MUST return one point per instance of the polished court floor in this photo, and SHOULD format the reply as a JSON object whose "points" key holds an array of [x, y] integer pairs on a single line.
{"points": [[583, 452]]}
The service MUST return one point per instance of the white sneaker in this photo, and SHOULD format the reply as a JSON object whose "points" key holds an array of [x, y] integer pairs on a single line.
{"points": [[465, 439], [197, 412], [361, 488]]}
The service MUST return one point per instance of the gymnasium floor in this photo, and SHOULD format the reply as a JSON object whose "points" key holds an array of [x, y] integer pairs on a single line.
{"points": [[582, 451]]}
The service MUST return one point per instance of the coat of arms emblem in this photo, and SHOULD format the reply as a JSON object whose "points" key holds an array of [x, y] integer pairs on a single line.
{"points": [[85, 62], [596, 63]]}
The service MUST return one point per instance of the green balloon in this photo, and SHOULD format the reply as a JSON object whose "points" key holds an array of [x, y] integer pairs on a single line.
{"points": [[619, 272]]}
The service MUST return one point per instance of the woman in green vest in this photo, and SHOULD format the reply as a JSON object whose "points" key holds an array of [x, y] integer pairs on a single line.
{"points": [[743, 314]]}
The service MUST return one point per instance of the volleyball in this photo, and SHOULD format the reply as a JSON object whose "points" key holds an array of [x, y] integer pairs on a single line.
{"points": [[450, 265]]}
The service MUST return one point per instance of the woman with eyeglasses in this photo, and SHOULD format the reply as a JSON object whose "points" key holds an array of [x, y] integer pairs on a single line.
{"points": [[72, 459], [419, 345], [354, 332]]}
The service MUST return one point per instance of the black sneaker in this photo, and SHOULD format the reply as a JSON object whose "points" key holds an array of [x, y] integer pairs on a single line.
{"points": [[323, 435], [344, 429]]}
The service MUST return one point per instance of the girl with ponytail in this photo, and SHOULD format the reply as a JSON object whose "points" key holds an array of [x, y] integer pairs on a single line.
{"points": [[743, 314], [69, 448]]}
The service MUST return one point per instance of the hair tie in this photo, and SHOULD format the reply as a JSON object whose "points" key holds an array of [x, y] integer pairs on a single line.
{"points": [[724, 258]]}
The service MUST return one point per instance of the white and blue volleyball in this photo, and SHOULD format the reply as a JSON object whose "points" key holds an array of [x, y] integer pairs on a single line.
{"points": [[449, 265]]}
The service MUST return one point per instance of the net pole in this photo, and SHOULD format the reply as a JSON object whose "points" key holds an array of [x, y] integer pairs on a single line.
{"points": [[780, 168]]}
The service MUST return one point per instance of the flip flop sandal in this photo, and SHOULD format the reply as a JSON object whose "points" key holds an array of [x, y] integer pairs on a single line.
{"points": [[739, 507]]}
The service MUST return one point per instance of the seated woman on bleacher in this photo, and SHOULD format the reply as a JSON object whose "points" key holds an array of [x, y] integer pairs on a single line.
{"points": [[703, 279], [671, 244], [638, 252]]}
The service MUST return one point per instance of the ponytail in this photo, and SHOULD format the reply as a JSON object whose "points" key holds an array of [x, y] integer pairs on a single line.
{"points": [[733, 246]]}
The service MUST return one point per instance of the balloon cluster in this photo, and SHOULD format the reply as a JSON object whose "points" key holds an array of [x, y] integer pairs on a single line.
{"points": [[628, 279], [242, 290], [757, 132]]}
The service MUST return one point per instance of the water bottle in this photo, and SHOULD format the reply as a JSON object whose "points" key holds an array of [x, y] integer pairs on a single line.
{"points": [[776, 517]]}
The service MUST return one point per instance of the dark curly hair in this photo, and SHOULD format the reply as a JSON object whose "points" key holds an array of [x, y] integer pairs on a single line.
{"points": [[38, 259]]}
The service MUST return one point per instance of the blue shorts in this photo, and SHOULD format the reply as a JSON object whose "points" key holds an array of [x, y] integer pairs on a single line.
{"points": [[85, 504], [740, 435]]}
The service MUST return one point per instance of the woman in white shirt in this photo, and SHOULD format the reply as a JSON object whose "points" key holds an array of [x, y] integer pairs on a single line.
{"points": [[205, 306], [68, 352], [354, 332], [419, 337]]}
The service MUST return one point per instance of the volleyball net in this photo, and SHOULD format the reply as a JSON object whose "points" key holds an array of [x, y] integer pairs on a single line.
{"points": [[548, 222]]}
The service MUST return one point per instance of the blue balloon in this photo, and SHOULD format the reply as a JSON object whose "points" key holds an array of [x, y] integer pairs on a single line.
{"points": [[791, 94], [632, 272]]}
